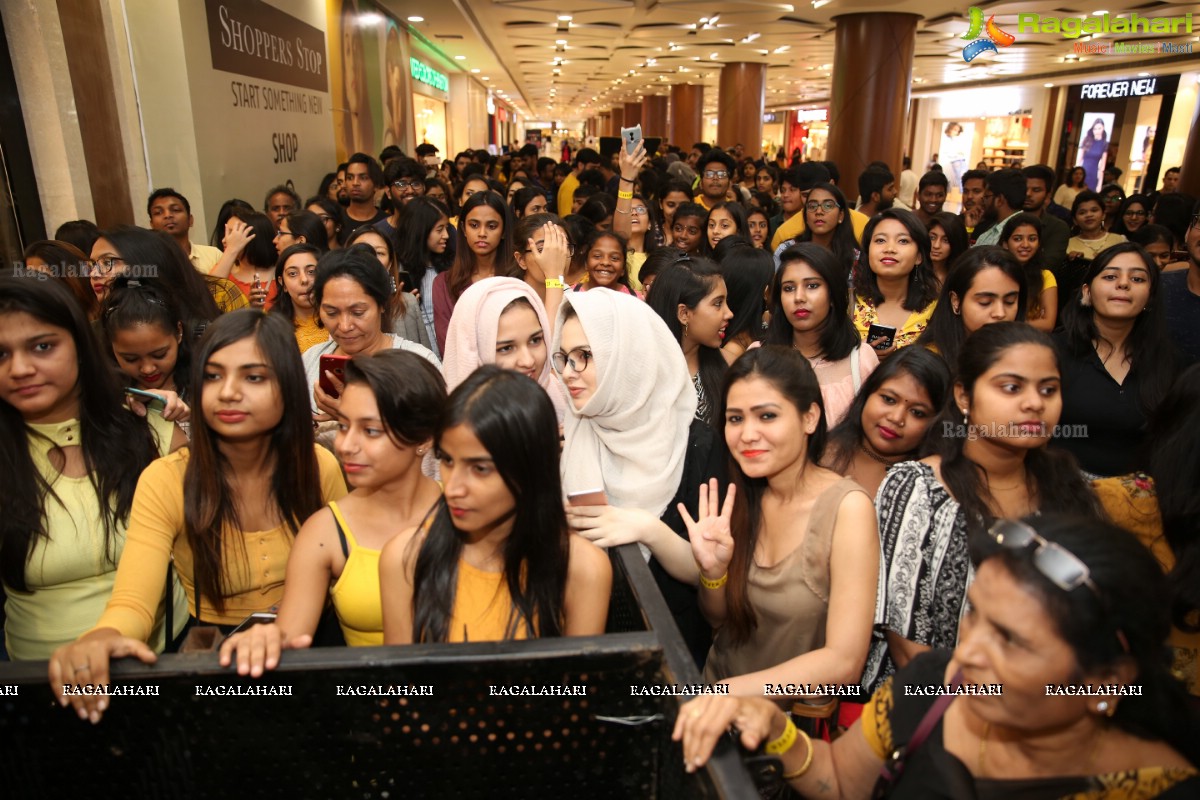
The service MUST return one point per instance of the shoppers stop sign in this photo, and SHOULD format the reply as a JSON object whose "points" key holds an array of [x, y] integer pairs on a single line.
{"points": [[1118, 89]]}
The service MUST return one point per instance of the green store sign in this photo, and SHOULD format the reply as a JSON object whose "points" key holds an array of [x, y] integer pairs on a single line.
{"points": [[428, 75]]}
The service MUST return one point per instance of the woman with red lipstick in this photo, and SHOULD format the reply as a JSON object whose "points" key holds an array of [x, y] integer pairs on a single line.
{"points": [[828, 224], [495, 560], [894, 285], [1118, 361], [1061, 604], [1022, 236], [986, 286], [225, 511], [990, 461], [809, 302], [387, 419], [73, 453], [888, 420], [690, 296], [788, 569], [484, 250]]}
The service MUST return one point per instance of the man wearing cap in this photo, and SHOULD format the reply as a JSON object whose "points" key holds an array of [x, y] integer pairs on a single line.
{"points": [[795, 185]]}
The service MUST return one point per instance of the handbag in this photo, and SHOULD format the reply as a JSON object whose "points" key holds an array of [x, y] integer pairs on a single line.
{"points": [[892, 769]]}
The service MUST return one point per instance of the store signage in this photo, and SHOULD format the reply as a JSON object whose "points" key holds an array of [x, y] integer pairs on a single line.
{"points": [[427, 75], [252, 38], [1117, 89], [812, 115], [770, 117]]}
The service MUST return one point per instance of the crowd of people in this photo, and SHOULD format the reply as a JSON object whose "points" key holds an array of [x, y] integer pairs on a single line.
{"points": [[864, 442]]}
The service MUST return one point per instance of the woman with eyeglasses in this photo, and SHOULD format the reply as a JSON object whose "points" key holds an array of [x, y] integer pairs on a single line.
{"points": [[301, 227], [991, 461], [1118, 361], [827, 223], [631, 431], [330, 215], [1059, 603], [1133, 215]]}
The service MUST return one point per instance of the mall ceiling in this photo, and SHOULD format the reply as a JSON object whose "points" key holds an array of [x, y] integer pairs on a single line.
{"points": [[571, 59]]}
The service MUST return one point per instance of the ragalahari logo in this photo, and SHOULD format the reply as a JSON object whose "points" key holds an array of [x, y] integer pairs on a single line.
{"points": [[984, 38]]}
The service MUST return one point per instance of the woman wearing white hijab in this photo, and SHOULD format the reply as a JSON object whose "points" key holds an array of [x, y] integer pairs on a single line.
{"points": [[631, 431]]}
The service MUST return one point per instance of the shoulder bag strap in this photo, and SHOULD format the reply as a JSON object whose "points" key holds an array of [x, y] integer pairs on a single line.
{"points": [[856, 369]]}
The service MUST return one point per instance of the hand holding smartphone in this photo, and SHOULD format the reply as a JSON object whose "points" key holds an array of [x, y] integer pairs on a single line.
{"points": [[152, 401], [590, 497], [631, 137], [337, 366], [881, 337]]}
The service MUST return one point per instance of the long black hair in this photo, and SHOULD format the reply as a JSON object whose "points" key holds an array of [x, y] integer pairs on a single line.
{"points": [[307, 224], [209, 506], [791, 375], [157, 254], [1052, 474], [843, 244], [922, 284], [1127, 618], [514, 420], [1119, 223], [409, 390], [734, 210], [748, 271], [144, 301], [116, 445], [504, 265], [954, 231], [927, 369], [688, 283], [945, 330], [418, 218], [838, 337], [283, 300], [1150, 349]]}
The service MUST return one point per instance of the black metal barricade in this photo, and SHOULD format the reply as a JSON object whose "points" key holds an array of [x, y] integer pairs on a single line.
{"points": [[555, 718]]}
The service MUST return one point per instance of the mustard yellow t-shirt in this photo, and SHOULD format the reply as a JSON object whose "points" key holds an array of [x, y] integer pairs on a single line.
{"points": [[309, 333], [482, 607], [791, 228], [253, 568]]}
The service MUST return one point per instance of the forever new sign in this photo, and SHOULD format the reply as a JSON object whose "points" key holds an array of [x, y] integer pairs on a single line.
{"points": [[428, 75], [1118, 89]]}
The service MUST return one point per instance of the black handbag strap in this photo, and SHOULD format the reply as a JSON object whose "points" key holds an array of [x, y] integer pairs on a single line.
{"points": [[893, 768]]}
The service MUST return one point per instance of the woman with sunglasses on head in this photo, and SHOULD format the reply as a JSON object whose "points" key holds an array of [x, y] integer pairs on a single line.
{"points": [[234, 498], [789, 564], [1118, 361], [495, 560], [889, 418], [990, 461], [809, 302], [631, 430], [72, 452], [388, 416], [893, 284], [1060, 603]]}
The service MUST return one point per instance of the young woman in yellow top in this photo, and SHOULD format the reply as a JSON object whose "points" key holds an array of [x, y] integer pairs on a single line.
{"points": [[296, 272], [387, 418], [71, 456], [893, 280], [495, 561], [226, 510]]}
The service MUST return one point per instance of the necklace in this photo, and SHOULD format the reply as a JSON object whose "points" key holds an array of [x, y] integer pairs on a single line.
{"points": [[815, 361], [987, 729], [881, 459]]}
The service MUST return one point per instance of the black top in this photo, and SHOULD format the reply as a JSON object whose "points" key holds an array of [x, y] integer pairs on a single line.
{"points": [[932, 773], [705, 459], [349, 224], [1112, 413], [1182, 309]]}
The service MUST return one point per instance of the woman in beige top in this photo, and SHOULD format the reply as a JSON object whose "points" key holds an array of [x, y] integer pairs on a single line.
{"points": [[789, 570]]}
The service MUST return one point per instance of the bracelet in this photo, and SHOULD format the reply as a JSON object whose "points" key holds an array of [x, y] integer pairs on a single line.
{"points": [[717, 584], [777, 747], [624, 195], [791, 776], [627, 180], [555, 283]]}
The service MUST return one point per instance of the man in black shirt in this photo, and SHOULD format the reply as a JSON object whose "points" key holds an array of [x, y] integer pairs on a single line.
{"points": [[363, 178]]}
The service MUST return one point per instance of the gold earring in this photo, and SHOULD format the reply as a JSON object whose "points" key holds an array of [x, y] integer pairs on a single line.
{"points": [[685, 330]]}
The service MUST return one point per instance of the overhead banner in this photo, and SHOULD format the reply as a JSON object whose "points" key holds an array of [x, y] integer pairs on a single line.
{"points": [[252, 38]]}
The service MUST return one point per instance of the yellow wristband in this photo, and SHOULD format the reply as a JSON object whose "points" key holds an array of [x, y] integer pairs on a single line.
{"points": [[624, 195], [555, 283], [791, 776], [717, 584], [777, 747]]}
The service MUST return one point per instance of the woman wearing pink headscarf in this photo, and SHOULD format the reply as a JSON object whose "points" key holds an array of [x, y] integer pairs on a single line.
{"points": [[501, 321]]}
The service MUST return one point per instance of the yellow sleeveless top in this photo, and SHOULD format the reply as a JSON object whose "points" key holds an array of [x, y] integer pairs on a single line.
{"points": [[356, 593], [482, 605]]}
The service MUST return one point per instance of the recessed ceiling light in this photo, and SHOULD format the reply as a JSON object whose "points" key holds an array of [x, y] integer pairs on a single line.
{"points": [[714, 56], [460, 58], [560, 41], [416, 19], [1048, 85], [476, 71], [486, 78], [1143, 74], [564, 17]]}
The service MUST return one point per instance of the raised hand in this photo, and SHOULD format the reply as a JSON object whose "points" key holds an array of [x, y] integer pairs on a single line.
{"points": [[711, 535], [631, 163]]}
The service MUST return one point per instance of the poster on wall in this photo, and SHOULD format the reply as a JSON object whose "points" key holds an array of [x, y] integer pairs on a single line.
{"points": [[368, 58], [1093, 147]]}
